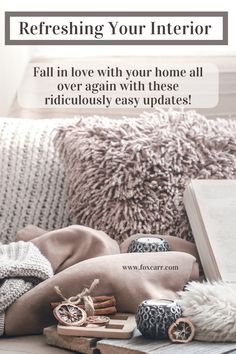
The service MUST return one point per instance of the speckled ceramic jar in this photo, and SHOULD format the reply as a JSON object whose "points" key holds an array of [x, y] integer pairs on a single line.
{"points": [[154, 317], [148, 244]]}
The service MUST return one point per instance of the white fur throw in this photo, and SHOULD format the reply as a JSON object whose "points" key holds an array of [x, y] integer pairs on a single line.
{"points": [[32, 186], [212, 309], [128, 175]]}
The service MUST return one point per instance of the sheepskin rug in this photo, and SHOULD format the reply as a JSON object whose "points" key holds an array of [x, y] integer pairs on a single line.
{"points": [[128, 175], [212, 309]]}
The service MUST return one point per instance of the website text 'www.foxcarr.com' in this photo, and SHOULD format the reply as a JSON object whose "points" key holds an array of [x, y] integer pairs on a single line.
{"points": [[150, 267]]}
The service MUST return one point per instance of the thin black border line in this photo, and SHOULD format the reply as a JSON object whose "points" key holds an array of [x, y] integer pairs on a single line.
{"points": [[222, 14], [117, 42], [118, 13]]}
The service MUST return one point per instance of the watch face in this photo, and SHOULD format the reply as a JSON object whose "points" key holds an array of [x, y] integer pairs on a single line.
{"points": [[148, 244], [154, 317]]}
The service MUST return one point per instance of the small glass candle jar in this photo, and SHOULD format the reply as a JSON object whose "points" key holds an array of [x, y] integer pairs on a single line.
{"points": [[148, 244], [154, 317]]}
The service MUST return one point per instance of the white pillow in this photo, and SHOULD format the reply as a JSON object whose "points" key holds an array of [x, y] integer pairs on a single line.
{"points": [[32, 186]]}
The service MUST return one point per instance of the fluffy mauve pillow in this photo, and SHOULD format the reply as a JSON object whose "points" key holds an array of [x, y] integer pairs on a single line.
{"points": [[128, 175]]}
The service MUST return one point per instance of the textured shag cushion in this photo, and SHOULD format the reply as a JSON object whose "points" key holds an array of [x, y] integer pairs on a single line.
{"points": [[212, 309], [128, 175], [32, 188]]}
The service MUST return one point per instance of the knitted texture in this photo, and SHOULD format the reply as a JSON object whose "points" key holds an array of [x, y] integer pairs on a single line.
{"points": [[127, 176], [2, 321], [12, 289], [32, 187], [22, 266], [23, 259]]}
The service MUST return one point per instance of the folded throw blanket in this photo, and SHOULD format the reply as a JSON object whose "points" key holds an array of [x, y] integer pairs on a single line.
{"points": [[22, 266], [29, 232]]}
